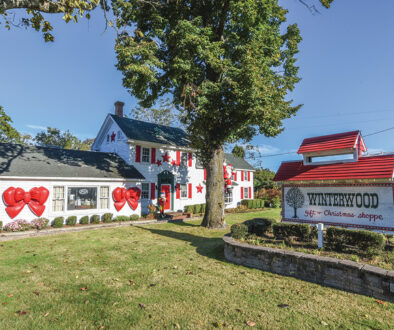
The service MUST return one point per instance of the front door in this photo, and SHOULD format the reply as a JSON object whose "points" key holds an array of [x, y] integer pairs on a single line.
{"points": [[166, 188]]}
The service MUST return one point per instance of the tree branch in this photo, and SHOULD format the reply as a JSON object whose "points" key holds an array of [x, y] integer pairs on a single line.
{"points": [[45, 6]]}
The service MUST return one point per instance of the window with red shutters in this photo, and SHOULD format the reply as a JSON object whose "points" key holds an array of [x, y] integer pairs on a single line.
{"points": [[190, 159], [153, 156], [178, 191], [152, 191], [137, 154], [190, 190]]}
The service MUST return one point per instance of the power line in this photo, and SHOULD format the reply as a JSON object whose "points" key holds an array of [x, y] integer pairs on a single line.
{"points": [[385, 130]]}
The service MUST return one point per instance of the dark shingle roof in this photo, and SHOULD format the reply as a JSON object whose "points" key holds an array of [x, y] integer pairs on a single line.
{"points": [[29, 161], [238, 162], [144, 131]]}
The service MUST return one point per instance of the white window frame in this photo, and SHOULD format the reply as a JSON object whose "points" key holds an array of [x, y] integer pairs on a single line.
{"points": [[228, 197], [246, 193], [245, 174], [102, 198], [56, 197], [142, 155], [183, 191], [142, 190], [89, 209]]}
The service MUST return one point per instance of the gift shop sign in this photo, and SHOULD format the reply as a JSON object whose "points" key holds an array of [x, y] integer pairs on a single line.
{"points": [[358, 206]]}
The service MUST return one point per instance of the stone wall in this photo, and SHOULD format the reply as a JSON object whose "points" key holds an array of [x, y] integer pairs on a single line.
{"points": [[340, 274]]}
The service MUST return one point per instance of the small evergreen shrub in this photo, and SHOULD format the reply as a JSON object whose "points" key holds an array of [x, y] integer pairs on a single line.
{"points": [[58, 222], [134, 217], [107, 217], [244, 202], [239, 231], [285, 230], [189, 209], [39, 223], [197, 208], [250, 204], [259, 226], [256, 203], [122, 218], [276, 202], [95, 219], [203, 207], [362, 240], [17, 225], [71, 220], [84, 220]]}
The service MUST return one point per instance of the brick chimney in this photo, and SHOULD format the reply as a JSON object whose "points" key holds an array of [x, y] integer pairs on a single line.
{"points": [[119, 108]]}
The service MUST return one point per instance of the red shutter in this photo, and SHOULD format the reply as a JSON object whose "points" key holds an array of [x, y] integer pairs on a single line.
{"points": [[250, 192], [190, 190], [137, 154], [242, 175], [242, 193], [153, 155], [178, 158], [178, 191], [205, 174], [190, 159], [248, 176], [152, 191], [235, 176]]}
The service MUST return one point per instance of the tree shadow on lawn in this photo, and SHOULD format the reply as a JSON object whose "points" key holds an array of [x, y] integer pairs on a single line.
{"points": [[211, 247]]}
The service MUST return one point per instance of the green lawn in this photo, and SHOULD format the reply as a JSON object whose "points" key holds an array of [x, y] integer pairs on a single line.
{"points": [[178, 276]]}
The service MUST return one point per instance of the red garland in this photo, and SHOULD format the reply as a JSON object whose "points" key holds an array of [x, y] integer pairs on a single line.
{"points": [[121, 195], [17, 198]]}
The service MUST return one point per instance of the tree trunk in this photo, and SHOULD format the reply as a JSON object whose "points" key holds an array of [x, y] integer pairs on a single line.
{"points": [[295, 213], [214, 211]]}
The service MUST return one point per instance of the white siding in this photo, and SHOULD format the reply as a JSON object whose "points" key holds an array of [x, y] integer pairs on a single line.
{"points": [[27, 184]]}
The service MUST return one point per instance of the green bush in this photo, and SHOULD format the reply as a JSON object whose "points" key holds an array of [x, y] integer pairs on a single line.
{"points": [[250, 204], [84, 220], [1, 226], [71, 221], [259, 226], [276, 202], [256, 203], [58, 222], [203, 207], [134, 217], [189, 209], [244, 202], [122, 218], [95, 219], [107, 217], [285, 230], [239, 231], [362, 240], [197, 208]]}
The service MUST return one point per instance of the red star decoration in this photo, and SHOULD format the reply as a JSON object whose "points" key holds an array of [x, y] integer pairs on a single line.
{"points": [[173, 163], [158, 162], [166, 157], [199, 188], [113, 136]]}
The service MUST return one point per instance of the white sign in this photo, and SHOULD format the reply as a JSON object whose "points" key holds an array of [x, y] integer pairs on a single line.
{"points": [[358, 206]]}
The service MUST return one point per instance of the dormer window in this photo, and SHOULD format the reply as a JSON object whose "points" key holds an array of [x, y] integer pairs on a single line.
{"points": [[145, 155]]}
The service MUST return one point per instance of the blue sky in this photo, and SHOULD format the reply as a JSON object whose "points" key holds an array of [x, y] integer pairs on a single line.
{"points": [[346, 64]]}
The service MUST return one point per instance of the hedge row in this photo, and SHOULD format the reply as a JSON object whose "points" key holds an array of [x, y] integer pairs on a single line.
{"points": [[256, 226], [253, 203], [338, 238], [196, 208], [302, 232]]}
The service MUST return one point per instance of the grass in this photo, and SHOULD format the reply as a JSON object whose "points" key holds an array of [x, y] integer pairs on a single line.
{"points": [[162, 276]]}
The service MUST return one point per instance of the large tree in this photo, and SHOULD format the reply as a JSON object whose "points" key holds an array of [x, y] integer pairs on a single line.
{"points": [[7, 132], [65, 140], [227, 64]]}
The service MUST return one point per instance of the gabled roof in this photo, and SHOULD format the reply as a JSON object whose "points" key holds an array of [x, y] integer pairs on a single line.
{"points": [[144, 131], [237, 162], [369, 167], [30, 161], [348, 140]]}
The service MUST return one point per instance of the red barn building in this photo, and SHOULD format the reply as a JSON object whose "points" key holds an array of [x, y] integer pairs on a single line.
{"points": [[337, 185]]}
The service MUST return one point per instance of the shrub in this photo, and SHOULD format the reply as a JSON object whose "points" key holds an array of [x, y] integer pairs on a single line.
{"points": [[250, 204], [203, 207], [197, 208], [71, 220], [17, 225], [338, 238], [256, 204], [285, 230], [107, 217], [276, 202], [95, 219], [1, 226], [84, 220], [259, 226], [134, 217], [152, 208], [189, 209], [244, 202], [39, 223], [58, 222], [239, 231], [122, 218]]}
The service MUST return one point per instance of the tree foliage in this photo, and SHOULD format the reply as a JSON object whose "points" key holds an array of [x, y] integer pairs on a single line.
{"points": [[7, 132], [263, 178], [65, 140], [238, 151], [164, 113]]}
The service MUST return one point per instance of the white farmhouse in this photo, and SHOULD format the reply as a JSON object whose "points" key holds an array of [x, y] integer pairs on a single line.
{"points": [[163, 156]]}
